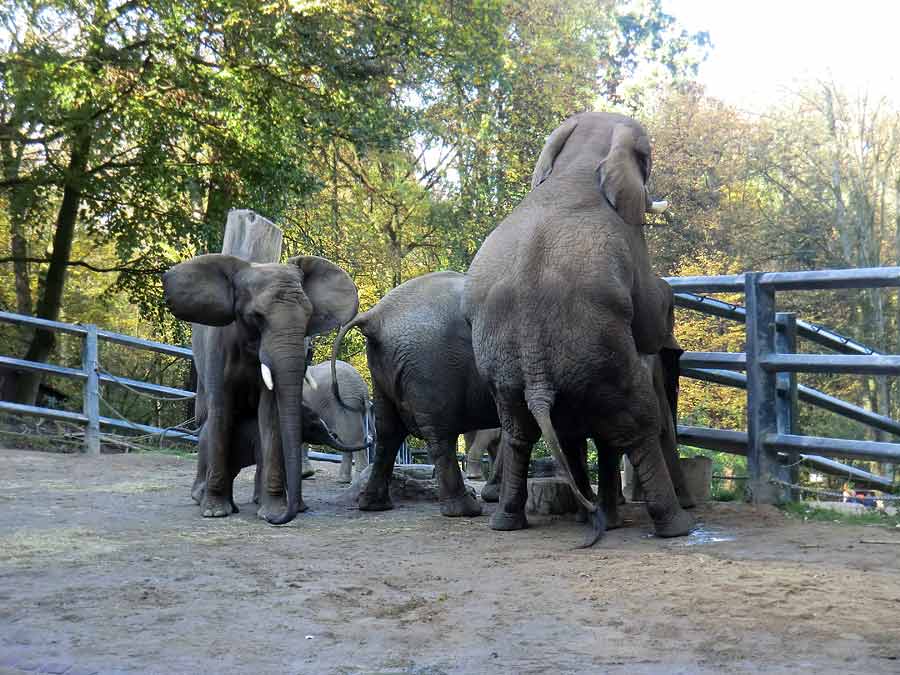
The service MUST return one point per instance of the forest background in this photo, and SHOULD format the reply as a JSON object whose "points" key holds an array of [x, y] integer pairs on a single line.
{"points": [[391, 137]]}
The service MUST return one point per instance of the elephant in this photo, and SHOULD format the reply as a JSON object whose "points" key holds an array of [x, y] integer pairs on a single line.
{"points": [[419, 351], [477, 443], [246, 449], [352, 427], [665, 370], [250, 325], [562, 303]]}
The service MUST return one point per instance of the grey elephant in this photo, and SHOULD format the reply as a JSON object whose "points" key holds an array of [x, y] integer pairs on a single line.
{"points": [[419, 351], [351, 423], [246, 448], [562, 303], [251, 321]]}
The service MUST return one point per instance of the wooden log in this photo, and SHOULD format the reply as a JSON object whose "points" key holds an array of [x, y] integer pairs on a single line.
{"points": [[250, 236], [550, 496]]}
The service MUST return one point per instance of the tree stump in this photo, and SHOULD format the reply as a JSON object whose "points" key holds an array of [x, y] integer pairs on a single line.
{"points": [[251, 237], [550, 496], [697, 477], [408, 482]]}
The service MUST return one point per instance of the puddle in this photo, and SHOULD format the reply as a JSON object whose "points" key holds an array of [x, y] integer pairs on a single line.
{"points": [[700, 536], [705, 535]]}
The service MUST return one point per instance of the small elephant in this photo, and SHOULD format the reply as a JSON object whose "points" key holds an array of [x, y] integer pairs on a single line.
{"points": [[352, 424], [419, 351], [562, 302], [251, 321]]}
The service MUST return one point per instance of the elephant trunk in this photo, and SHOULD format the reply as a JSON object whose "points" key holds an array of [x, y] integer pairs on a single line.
{"points": [[316, 432], [289, 373]]}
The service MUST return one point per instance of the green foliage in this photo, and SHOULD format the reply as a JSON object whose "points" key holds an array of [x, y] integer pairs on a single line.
{"points": [[809, 511]]}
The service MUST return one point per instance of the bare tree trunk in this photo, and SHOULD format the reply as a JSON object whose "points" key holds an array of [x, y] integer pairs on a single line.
{"points": [[49, 304]]}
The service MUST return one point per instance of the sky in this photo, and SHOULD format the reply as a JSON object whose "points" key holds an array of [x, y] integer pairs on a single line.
{"points": [[762, 49]]}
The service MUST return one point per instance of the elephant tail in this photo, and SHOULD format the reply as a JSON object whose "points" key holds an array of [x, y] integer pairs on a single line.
{"points": [[358, 320], [540, 409]]}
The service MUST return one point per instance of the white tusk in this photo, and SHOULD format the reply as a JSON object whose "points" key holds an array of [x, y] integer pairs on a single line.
{"points": [[311, 382], [267, 376], [660, 206]]}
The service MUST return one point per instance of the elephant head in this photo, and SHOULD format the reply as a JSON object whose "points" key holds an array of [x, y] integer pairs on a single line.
{"points": [[271, 308], [615, 148]]}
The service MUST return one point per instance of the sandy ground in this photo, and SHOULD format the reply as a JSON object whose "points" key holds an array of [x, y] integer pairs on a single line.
{"points": [[107, 566]]}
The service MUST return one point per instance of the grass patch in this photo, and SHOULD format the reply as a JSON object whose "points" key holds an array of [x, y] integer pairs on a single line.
{"points": [[809, 511]]}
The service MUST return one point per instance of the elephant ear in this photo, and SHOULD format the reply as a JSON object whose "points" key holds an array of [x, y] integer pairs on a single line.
{"points": [[624, 173], [552, 148], [330, 290], [201, 290]]}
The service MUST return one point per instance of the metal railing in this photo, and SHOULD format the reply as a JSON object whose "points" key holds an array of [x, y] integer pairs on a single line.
{"points": [[771, 444], [92, 376]]}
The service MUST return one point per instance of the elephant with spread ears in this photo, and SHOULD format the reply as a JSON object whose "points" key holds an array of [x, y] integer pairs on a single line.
{"points": [[250, 324], [563, 303]]}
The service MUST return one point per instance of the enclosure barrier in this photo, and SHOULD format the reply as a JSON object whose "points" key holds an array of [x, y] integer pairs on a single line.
{"points": [[771, 444], [93, 375]]}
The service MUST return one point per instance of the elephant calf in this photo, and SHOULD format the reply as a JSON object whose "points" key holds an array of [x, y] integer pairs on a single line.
{"points": [[351, 423], [419, 351]]}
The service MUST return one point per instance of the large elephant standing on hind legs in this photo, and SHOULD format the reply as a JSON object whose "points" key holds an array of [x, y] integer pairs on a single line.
{"points": [[562, 303]]}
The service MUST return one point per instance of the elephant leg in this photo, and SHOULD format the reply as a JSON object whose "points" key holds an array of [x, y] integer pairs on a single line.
{"points": [[519, 432], [391, 432], [474, 451], [491, 490], [576, 453], [360, 462], [668, 436], [307, 470], [345, 474], [636, 431], [609, 485], [199, 487], [217, 500], [455, 499]]}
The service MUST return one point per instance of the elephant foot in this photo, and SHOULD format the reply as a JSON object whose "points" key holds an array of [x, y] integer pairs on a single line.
{"points": [[308, 471], [679, 525], [465, 505], [375, 501], [614, 521], [686, 501], [491, 492], [581, 515], [214, 506], [271, 506], [501, 520], [197, 491]]}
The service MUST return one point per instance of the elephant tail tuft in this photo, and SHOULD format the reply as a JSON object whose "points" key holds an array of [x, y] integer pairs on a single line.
{"points": [[540, 407], [358, 320]]}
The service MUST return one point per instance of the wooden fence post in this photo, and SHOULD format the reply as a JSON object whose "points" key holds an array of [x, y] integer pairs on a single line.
{"points": [[90, 364], [786, 401], [761, 390]]}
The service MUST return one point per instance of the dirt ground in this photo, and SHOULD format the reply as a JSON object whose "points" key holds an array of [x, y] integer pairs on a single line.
{"points": [[107, 566]]}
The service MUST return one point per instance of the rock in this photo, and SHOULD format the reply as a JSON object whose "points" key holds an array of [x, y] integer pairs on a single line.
{"points": [[840, 507], [408, 482], [550, 496]]}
